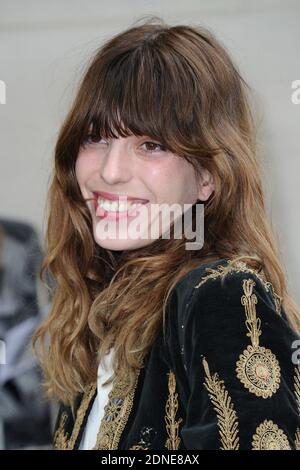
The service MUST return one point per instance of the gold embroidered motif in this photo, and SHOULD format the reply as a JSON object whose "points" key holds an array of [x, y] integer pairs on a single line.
{"points": [[226, 414], [257, 367], [139, 446], [241, 266], [269, 436], [60, 437], [172, 426], [116, 414]]}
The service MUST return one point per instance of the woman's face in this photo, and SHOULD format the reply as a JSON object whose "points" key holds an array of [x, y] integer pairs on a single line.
{"points": [[142, 169]]}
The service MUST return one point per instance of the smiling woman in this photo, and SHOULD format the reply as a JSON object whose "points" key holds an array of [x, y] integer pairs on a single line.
{"points": [[149, 345]]}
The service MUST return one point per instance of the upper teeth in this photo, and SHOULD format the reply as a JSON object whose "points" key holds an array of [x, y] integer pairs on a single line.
{"points": [[116, 206]]}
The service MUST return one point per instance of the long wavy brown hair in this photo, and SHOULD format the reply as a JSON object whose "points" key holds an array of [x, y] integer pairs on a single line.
{"points": [[178, 85]]}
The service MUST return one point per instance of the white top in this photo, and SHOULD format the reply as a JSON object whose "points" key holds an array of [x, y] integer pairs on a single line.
{"points": [[90, 432]]}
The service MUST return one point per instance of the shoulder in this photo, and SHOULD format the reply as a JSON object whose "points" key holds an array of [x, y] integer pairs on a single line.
{"points": [[224, 283], [226, 305]]}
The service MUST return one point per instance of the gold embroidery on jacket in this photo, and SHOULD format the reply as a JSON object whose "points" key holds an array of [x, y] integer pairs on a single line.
{"points": [[81, 413], [144, 442], [116, 414], [60, 440], [257, 367], [297, 386], [297, 395], [60, 437], [172, 425], [226, 414], [139, 446], [241, 266], [297, 439], [269, 436]]}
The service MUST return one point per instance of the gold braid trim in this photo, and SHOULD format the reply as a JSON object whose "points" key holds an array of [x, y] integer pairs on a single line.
{"points": [[81, 413], [226, 414], [297, 386], [60, 437], [297, 439], [172, 426], [61, 440], [116, 414]]}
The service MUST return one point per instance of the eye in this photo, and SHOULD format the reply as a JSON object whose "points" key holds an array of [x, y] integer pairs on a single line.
{"points": [[91, 139], [151, 147]]}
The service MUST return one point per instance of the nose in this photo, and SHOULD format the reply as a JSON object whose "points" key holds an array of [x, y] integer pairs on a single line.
{"points": [[116, 165]]}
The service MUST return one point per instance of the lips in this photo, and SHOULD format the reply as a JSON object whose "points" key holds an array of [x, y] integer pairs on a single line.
{"points": [[121, 197], [117, 206]]}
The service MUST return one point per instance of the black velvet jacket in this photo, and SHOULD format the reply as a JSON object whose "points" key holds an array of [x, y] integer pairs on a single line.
{"points": [[224, 377]]}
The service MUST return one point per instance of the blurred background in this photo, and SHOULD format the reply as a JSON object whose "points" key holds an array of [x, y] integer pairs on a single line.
{"points": [[44, 47]]}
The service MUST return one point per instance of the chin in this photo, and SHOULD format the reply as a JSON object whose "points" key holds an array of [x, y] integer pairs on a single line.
{"points": [[121, 245]]}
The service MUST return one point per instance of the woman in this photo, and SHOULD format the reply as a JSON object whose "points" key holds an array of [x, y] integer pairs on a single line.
{"points": [[197, 343]]}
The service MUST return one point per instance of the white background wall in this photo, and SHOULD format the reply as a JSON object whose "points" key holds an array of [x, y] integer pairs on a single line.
{"points": [[45, 45]]}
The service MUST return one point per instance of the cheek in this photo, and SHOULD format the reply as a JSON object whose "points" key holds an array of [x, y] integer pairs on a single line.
{"points": [[162, 174], [186, 182], [83, 167], [174, 181], [157, 178], [78, 168], [82, 172]]}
